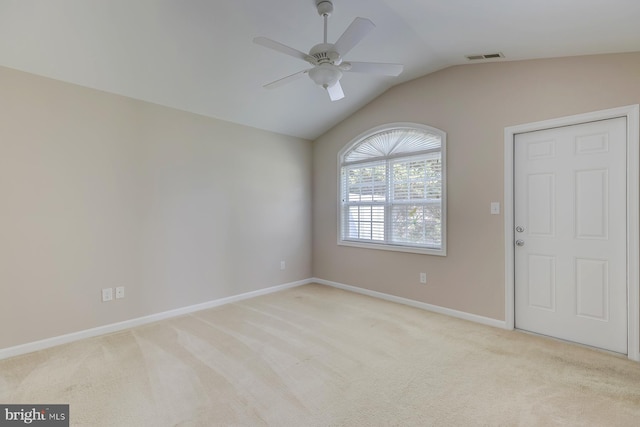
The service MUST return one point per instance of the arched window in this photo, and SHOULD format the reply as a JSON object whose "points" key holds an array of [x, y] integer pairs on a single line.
{"points": [[392, 189]]}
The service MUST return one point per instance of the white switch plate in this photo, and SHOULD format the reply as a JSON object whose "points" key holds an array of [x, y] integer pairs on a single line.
{"points": [[107, 294], [423, 278], [283, 265], [120, 292], [495, 208]]}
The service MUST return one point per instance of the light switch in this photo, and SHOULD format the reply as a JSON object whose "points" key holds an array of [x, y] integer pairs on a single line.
{"points": [[495, 208]]}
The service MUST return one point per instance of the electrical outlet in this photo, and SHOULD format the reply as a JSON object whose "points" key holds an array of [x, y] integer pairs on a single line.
{"points": [[423, 278], [120, 292], [283, 265], [107, 294]]}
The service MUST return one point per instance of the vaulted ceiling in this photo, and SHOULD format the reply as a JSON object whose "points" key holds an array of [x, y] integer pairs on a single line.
{"points": [[198, 55]]}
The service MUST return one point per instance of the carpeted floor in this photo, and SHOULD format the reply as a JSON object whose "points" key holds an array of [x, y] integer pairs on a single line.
{"points": [[319, 356]]}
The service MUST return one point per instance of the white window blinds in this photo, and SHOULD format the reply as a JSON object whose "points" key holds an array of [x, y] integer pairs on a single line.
{"points": [[392, 189]]}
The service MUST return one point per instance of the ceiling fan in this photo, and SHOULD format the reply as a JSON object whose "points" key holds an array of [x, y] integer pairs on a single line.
{"points": [[328, 59]]}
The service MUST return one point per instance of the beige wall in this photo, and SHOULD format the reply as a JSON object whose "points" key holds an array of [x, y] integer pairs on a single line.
{"points": [[98, 190], [473, 104]]}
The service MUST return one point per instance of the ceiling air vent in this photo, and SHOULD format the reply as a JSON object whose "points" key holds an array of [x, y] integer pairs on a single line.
{"points": [[485, 56]]}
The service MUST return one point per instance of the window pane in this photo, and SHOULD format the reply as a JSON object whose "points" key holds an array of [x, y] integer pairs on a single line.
{"points": [[365, 230], [377, 219], [366, 183], [434, 178], [417, 179], [417, 224], [364, 222], [351, 223], [377, 231]]}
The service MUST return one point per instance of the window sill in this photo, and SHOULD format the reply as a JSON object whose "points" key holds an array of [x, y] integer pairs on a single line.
{"points": [[394, 248]]}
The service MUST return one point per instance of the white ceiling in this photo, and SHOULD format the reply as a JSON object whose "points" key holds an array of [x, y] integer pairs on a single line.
{"points": [[198, 55]]}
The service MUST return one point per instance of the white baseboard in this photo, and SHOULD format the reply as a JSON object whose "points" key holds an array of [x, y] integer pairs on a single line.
{"points": [[417, 304], [5, 353], [115, 327]]}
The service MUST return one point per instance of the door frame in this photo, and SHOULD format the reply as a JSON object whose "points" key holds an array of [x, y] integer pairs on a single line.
{"points": [[632, 114]]}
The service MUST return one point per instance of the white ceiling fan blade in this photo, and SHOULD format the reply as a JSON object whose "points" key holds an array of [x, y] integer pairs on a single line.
{"points": [[372, 68], [335, 92], [359, 28], [279, 47], [286, 80]]}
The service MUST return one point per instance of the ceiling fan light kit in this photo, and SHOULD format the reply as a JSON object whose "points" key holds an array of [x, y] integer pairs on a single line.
{"points": [[328, 59], [325, 75]]}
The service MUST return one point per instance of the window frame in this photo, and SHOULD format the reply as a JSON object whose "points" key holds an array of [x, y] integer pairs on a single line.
{"points": [[388, 246]]}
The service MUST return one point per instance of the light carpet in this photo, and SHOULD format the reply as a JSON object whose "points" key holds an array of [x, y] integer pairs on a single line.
{"points": [[319, 356]]}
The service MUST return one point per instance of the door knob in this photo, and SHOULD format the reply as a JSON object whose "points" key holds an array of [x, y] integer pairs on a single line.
{"points": [[519, 242], [519, 229]]}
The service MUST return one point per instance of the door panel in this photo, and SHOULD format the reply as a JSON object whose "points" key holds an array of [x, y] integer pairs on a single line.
{"points": [[541, 282], [570, 263], [592, 288], [541, 204], [592, 208]]}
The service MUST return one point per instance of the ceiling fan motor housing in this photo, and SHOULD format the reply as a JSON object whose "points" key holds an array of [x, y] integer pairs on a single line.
{"points": [[325, 53]]}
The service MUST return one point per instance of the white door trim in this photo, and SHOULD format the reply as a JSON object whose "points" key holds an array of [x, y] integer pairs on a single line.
{"points": [[632, 113]]}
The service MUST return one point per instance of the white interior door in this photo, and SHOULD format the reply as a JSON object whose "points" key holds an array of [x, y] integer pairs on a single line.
{"points": [[570, 220]]}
